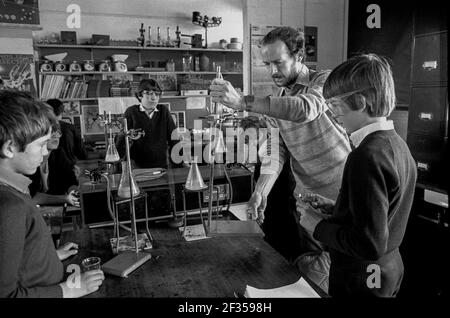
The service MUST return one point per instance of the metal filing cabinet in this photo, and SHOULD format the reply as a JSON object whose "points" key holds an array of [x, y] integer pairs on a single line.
{"points": [[428, 113]]}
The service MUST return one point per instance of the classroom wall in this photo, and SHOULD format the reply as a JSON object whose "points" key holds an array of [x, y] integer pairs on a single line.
{"points": [[329, 16], [122, 19]]}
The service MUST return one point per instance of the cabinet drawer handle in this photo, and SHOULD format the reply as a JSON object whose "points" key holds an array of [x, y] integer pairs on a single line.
{"points": [[422, 166], [425, 116], [429, 65]]}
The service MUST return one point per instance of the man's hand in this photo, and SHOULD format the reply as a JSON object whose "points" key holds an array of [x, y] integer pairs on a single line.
{"points": [[256, 206], [223, 92], [67, 250], [88, 282]]}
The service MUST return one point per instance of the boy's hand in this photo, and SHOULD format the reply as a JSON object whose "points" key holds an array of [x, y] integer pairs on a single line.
{"points": [[67, 250], [317, 201], [82, 284], [73, 198]]}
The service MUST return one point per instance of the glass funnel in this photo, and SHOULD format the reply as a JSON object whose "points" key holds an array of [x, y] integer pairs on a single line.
{"points": [[124, 186], [111, 154], [194, 180]]}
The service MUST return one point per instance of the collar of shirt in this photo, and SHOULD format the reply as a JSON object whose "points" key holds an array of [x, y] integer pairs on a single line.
{"points": [[358, 136], [149, 114], [16, 180], [301, 81]]}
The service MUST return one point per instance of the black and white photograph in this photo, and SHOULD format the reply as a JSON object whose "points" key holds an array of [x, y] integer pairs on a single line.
{"points": [[245, 152]]}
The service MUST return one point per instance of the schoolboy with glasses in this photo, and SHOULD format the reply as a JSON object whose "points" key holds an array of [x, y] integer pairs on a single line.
{"points": [[151, 150], [369, 218]]}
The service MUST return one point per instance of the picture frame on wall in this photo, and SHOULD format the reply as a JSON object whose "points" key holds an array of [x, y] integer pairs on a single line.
{"points": [[72, 108], [91, 120]]}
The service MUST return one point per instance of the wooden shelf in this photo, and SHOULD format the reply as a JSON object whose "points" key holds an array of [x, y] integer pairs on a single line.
{"points": [[33, 27], [95, 98], [133, 72], [138, 48]]}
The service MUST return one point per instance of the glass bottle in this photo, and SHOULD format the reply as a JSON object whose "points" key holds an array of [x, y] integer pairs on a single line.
{"points": [[149, 41], [158, 39], [168, 40], [124, 186]]}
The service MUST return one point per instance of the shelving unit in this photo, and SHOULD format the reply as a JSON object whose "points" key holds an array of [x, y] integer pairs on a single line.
{"points": [[230, 60], [122, 84]]}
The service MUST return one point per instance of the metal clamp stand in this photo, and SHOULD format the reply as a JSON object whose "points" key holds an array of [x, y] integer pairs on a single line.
{"points": [[199, 193], [223, 227], [125, 263]]}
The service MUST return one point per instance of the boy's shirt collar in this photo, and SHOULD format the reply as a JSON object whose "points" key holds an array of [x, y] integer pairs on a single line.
{"points": [[149, 114], [16, 180], [358, 136]]}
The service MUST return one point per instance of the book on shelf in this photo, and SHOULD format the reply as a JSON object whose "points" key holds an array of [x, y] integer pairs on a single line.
{"points": [[58, 86]]}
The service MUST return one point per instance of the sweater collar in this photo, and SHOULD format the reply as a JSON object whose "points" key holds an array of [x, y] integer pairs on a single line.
{"points": [[358, 136], [149, 114], [16, 180]]}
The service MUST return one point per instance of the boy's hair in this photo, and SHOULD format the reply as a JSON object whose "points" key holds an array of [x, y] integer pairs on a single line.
{"points": [[57, 105], [370, 76], [148, 85], [294, 40], [23, 119]]}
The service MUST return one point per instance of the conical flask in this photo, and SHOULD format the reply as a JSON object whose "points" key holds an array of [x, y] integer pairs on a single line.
{"points": [[219, 143], [111, 154], [194, 180], [124, 186]]}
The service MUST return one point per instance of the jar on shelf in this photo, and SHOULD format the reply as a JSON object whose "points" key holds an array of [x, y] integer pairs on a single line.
{"points": [[60, 67], [170, 65], [46, 66], [204, 62], [120, 66], [187, 63], [104, 66], [88, 65], [75, 67]]}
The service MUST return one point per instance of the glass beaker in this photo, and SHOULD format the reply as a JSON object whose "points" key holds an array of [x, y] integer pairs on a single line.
{"points": [[124, 186], [111, 154]]}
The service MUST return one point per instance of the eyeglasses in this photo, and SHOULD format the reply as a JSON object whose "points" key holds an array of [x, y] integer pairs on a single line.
{"points": [[157, 93], [56, 134], [339, 99]]}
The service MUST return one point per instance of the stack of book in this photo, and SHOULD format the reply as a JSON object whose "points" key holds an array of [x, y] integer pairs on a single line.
{"points": [[58, 86]]}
